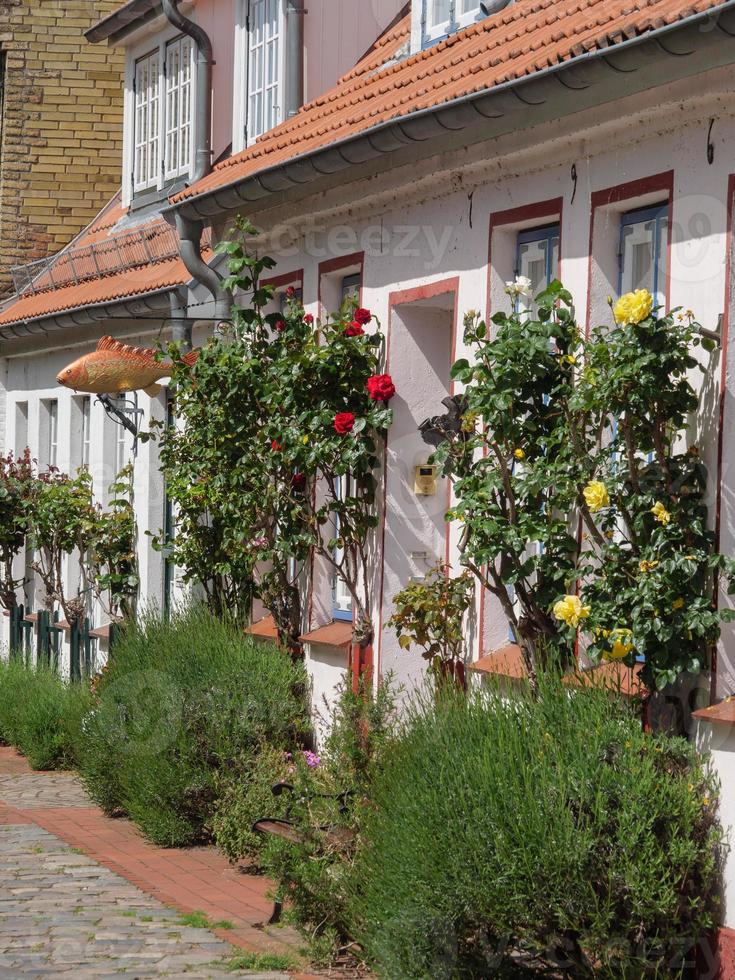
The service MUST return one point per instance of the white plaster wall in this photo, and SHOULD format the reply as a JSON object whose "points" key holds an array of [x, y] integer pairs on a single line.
{"points": [[337, 33], [327, 667], [719, 741]]}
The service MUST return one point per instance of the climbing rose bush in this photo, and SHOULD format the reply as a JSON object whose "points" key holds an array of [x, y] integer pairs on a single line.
{"points": [[580, 490], [277, 451]]}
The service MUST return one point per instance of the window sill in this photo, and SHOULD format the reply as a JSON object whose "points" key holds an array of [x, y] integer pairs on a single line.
{"points": [[718, 714], [265, 629], [337, 634], [152, 199], [507, 662]]}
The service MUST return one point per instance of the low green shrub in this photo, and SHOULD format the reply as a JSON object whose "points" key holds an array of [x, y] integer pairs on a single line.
{"points": [[311, 876], [181, 703], [41, 715], [552, 833], [243, 800]]}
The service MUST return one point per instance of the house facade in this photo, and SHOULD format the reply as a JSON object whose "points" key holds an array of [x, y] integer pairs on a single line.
{"points": [[419, 156]]}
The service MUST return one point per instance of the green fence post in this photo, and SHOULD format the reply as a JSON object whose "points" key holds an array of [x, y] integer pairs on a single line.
{"points": [[43, 639], [74, 664], [86, 642], [16, 616]]}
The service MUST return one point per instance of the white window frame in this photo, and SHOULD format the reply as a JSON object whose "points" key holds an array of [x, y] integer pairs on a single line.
{"points": [[86, 433], [243, 133], [341, 595], [145, 136], [50, 432], [162, 89], [178, 87], [426, 33]]}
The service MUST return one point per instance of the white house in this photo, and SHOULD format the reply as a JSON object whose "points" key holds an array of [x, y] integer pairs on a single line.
{"points": [[422, 156]]}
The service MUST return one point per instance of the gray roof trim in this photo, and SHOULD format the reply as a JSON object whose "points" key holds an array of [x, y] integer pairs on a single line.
{"points": [[128, 306]]}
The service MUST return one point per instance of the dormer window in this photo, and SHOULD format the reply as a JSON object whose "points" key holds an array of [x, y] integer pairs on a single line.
{"points": [[442, 17], [163, 94], [259, 103]]}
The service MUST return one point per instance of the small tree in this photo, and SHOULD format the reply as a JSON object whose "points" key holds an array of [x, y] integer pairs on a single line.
{"points": [[65, 521], [430, 614], [17, 489], [559, 430], [112, 555]]}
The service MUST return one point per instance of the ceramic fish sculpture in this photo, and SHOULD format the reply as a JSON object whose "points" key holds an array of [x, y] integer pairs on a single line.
{"points": [[115, 367]]}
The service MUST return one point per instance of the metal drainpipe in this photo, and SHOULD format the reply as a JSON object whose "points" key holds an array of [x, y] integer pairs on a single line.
{"points": [[190, 232], [190, 248], [180, 325], [295, 56]]}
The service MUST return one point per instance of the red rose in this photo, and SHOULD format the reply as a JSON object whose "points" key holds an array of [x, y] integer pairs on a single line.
{"points": [[363, 316], [298, 482], [309, 319], [344, 422], [280, 326], [354, 330], [290, 292], [381, 387], [276, 446]]}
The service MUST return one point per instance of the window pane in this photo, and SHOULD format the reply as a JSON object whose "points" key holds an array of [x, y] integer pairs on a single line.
{"points": [[643, 252], [178, 108], [538, 260], [351, 286], [146, 157], [467, 7], [438, 12]]}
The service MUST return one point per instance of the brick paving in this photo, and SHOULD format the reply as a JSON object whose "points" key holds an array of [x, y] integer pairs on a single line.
{"points": [[84, 895]]}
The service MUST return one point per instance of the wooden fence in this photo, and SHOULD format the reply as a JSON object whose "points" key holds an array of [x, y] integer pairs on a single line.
{"points": [[47, 636]]}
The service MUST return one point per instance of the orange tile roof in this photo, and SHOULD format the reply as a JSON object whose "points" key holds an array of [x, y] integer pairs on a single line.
{"points": [[107, 289], [525, 38], [149, 268]]}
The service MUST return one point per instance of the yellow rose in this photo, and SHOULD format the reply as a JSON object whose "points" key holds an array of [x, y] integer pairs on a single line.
{"points": [[648, 566], [677, 604], [596, 495], [660, 513], [633, 307], [622, 644], [519, 454], [570, 610]]}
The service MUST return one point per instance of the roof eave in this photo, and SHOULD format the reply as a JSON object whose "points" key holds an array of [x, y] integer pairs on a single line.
{"points": [[116, 25], [133, 307], [440, 125]]}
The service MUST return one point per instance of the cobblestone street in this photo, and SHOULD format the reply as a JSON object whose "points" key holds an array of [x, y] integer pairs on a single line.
{"points": [[65, 913]]}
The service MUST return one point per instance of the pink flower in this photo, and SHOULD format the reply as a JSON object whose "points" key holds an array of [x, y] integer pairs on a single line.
{"points": [[313, 761]]}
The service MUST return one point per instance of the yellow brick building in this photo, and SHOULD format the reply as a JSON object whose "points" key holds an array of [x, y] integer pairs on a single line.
{"points": [[61, 102]]}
